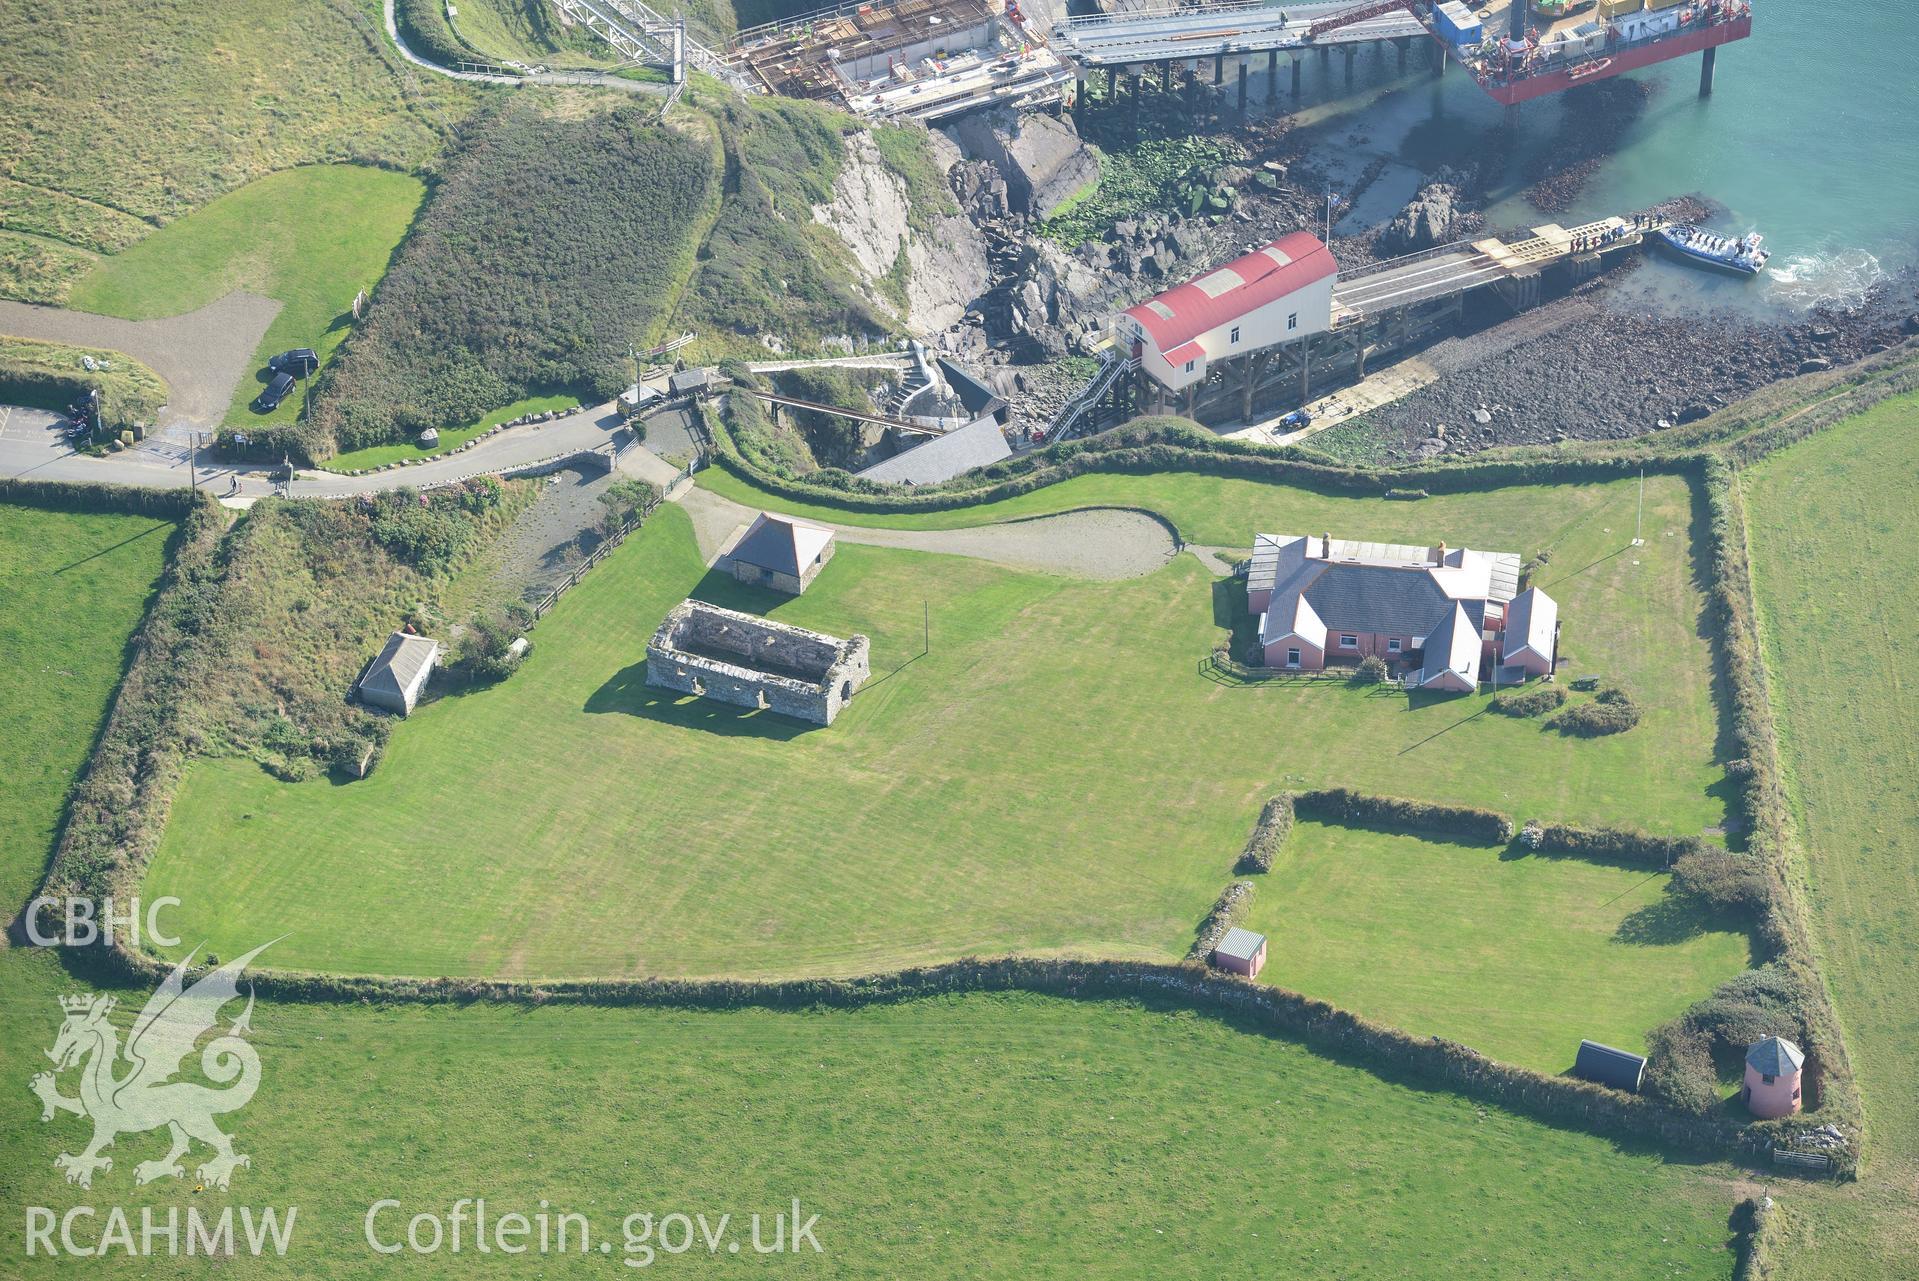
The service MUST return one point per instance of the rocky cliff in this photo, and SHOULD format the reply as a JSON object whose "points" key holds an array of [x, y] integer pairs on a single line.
{"points": [[942, 256]]}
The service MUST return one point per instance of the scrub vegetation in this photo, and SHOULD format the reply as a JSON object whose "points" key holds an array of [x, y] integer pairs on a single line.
{"points": [[554, 241]]}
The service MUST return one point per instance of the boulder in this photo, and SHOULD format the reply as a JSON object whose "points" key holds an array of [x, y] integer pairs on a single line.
{"points": [[1041, 157], [1432, 218]]}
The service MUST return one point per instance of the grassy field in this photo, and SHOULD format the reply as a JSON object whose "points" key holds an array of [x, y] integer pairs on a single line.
{"points": [[1518, 958], [311, 238], [1833, 521], [983, 797], [123, 116], [985, 1134], [450, 438]]}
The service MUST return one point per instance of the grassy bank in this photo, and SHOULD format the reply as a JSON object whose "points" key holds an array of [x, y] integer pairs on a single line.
{"points": [[127, 116], [310, 238], [1831, 520], [47, 375], [450, 438]]}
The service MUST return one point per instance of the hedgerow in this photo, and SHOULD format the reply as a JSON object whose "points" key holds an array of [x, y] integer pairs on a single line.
{"points": [[1614, 845], [1269, 836], [549, 247], [1340, 805], [1227, 911]]}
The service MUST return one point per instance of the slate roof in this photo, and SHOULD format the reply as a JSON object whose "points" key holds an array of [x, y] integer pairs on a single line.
{"points": [[1240, 944], [1226, 293], [1292, 615], [1453, 648], [781, 544], [1775, 1056], [943, 457], [1604, 1064], [1530, 621], [1392, 589], [402, 662]]}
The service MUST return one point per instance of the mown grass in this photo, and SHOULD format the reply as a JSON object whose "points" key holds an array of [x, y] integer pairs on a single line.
{"points": [[153, 109], [1519, 958], [1833, 521], [990, 1135], [310, 238], [993, 1133], [450, 438], [986, 796]]}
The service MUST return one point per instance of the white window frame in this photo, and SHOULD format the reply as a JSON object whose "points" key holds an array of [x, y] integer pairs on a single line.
{"points": [[1292, 658], [1189, 365], [1235, 338], [1392, 645], [1292, 321], [1348, 641]]}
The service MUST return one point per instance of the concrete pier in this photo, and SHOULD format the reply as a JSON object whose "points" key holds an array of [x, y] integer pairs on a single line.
{"points": [[1705, 71]]}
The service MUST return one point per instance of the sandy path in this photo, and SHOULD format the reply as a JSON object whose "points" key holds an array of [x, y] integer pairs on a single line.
{"points": [[203, 354], [1097, 542]]}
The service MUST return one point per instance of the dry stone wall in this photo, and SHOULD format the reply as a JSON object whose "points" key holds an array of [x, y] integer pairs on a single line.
{"points": [[750, 661]]}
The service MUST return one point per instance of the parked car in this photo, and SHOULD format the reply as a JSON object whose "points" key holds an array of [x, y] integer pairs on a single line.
{"points": [[300, 362], [276, 391]]}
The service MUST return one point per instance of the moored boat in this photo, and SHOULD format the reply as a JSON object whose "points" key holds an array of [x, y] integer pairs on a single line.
{"points": [[1740, 255]]}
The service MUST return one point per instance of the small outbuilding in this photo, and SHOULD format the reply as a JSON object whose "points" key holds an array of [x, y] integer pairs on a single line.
{"points": [[397, 676], [1241, 952], [694, 382], [779, 552], [1605, 1065], [1773, 1070], [1531, 640]]}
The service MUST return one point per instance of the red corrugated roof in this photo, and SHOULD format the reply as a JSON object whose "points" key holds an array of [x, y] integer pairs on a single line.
{"points": [[1180, 315]]}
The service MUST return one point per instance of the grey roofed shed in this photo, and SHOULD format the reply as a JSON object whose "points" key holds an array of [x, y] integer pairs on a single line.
{"points": [[396, 676], [1240, 944], [1608, 1066], [687, 381]]}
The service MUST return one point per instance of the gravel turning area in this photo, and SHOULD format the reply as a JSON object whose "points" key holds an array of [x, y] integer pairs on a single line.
{"points": [[1097, 542], [202, 354]]}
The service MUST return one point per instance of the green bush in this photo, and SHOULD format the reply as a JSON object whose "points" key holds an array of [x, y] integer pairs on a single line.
{"points": [[1722, 878], [1774, 1000], [1612, 712], [485, 653], [1339, 805], [1269, 836], [1536, 701], [1371, 671]]}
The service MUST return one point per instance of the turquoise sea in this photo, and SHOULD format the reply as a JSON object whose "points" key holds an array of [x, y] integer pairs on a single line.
{"points": [[1811, 138]]}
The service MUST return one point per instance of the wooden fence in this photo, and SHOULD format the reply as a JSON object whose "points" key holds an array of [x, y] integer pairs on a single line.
{"points": [[614, 539]]}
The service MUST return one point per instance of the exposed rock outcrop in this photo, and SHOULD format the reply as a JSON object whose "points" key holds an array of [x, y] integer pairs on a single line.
{"points": [[1041, 157], [872, 215], [1434, 217]]}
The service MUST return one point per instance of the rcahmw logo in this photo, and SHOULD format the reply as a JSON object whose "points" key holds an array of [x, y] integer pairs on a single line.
{"points": [[148, 1093]]}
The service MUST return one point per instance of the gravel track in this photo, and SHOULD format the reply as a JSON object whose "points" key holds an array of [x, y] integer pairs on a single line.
{"points": [[1096, 542], [202, 354]]}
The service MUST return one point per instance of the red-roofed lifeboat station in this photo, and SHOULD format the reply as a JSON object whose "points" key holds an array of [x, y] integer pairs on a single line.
{"points": [[1230, 322]]}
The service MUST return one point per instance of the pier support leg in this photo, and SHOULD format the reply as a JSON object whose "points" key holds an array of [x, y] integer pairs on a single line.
{"points": [[1137, 95], [1272, 76], [1359, 350], [1403, 44], [1242, 88], [1352, 56], [1512, 117], [1079, 93], [1166, 76], [1705, 71], [1219, 68], [1305, 371], [1295, 77], [1112, 83], [1439, 64]]}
